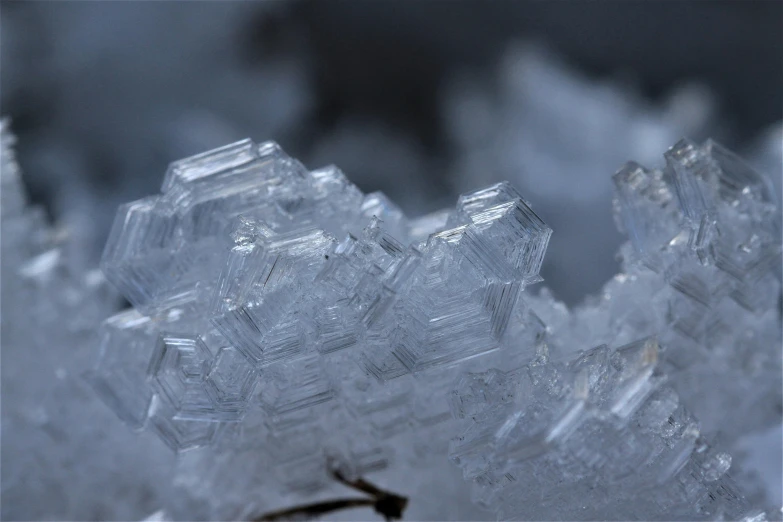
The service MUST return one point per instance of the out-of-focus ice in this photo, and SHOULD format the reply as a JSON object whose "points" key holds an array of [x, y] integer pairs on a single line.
{"points": [[64, 456], [178, 79], [701, 276], [766, 155]]}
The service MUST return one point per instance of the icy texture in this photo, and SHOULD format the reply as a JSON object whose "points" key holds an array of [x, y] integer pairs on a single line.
{"points": [[281, 311], [593, 436], [556, 135], [285, 321], [702, 272], [702, 281], [64, 455], [231, 257], [233, 242]]}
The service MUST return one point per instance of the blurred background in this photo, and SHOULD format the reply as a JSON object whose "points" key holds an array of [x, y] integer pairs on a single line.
{"points": [[422, 100]]}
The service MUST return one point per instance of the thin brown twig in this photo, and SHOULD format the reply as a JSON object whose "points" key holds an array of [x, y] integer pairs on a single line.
{"points": [[385, 503], [359, 484]]}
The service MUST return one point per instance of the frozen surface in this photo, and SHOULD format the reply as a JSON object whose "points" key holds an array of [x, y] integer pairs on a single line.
{"points": [[701, 273], [763, 455], [595, 436], [704, 250]]}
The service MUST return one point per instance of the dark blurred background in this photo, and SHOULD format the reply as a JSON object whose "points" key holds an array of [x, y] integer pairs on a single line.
{"points": [[422, 100]]}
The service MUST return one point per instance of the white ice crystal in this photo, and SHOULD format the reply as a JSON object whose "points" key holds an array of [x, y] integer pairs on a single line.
{"points": [[705, 251], [284, 322], [556, 135], [274, 296], [701, 272], [284, 319], [594, 436]]}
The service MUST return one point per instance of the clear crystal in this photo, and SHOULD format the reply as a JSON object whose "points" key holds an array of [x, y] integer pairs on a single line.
{"points": [[289, 314]]}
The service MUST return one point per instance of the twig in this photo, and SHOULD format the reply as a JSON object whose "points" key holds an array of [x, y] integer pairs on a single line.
{"points": [[385, 503]]}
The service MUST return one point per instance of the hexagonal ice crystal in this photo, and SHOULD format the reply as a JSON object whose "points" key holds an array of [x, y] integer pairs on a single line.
{"points": [[288, 314]]}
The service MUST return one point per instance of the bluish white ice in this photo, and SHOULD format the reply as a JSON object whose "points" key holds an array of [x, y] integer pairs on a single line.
{"points": [[282, 320], [281, 312]]}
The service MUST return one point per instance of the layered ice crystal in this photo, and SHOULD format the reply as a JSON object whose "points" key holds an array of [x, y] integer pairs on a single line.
{"points": [[599, 435], [721, 265], [698, 303], [249, 269], [701, 271], [283, 320]]}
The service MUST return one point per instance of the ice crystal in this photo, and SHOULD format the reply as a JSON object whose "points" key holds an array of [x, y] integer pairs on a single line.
{"points": [[557, 135], [283, 320], [702, 275], [595, 435], [704, 251], [273, 303], [298, 276]]}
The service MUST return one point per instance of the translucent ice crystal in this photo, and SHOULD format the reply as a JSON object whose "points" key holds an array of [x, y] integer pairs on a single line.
{"points": [[598, 434], [705, 245], [284, 321], [556, 134], [272, 301], [298, 266], [701, 274]]}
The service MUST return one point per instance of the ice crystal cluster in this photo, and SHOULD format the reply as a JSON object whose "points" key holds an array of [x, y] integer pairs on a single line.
{"points": [[705, 253], [266, 291], [697, 309], [714, 282], [595, 436], [288, 322]]}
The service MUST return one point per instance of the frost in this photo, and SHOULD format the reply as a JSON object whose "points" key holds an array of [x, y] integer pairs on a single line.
{"points": [[284, 321]]}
